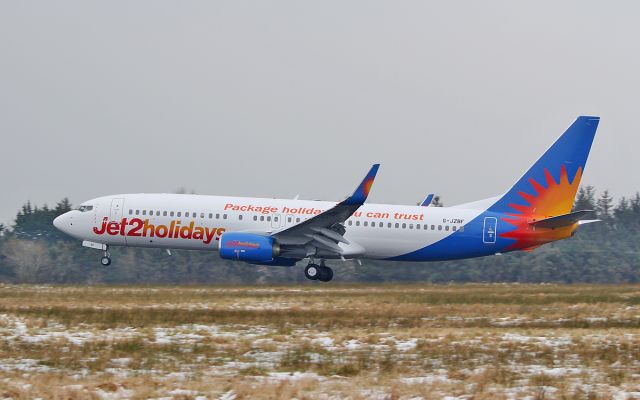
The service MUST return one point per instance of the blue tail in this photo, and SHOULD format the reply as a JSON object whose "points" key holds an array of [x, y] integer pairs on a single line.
{"points": [[549, 187]]}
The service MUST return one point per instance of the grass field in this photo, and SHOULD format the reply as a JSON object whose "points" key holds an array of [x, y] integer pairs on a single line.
{"points": [[321, 341]]}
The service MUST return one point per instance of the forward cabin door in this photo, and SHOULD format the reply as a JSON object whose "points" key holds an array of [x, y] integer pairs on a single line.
{"points": [[116, 215]]}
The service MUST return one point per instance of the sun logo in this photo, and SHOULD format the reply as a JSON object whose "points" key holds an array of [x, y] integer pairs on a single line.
{"points": [[550, 201]]}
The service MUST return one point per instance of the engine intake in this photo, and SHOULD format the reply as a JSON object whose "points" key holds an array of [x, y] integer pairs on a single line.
{"points": [[248, 247]]}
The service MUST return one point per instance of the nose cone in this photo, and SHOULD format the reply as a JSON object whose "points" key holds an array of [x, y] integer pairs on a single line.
{"points": [[57, 222], [63, 222]]}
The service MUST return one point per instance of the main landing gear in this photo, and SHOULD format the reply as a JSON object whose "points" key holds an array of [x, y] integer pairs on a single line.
{"points": [[320, 272], [106, 259]]}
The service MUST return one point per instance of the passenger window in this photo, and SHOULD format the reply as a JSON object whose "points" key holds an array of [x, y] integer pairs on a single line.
{"points": [[275, 219], [389, 225], [130, 212], [179, 214], [269, 218], [365, 223], [157, 213], [453, 228], [417, 226], [172, 213], [357, 223], [350, 223], [255, 217], [210, 216], [262, 218], [224, 216], [446, 228], [410, 226], [397, 225], [164, 213], [426, 227], [201, 215], [151, 213], [404, 226], [297, 219], [289, 219], [240, 217], [144, 212], [217, 216], [381, 224], [461, 229], [433, 227], [439, 227]]}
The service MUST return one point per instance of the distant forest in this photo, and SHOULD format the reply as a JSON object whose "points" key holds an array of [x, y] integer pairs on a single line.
{"points": [[33, 251]]}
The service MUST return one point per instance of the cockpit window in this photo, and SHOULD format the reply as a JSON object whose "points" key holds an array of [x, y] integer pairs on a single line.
{"points": [[85, 208]]}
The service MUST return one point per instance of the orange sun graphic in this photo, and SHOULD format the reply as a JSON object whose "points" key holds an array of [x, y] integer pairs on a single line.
{"points": [[553, 200]]}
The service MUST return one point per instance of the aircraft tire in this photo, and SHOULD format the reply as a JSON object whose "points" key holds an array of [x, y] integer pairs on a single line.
{"points": [[312, 271], [326, 274], [105, 261]]}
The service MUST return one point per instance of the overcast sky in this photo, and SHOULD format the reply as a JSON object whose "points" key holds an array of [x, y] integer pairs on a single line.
{"points": [[278, 98]]}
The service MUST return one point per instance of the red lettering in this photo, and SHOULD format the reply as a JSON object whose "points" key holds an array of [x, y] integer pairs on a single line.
{"points": [[219, 233], [187, 231], [162, 231], [113, 228], [136, 224], [209, 235], [101, 230], [148, 228]]}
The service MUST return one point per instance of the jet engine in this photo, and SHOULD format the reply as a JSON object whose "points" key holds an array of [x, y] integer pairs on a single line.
{"points": [[248, 247]]}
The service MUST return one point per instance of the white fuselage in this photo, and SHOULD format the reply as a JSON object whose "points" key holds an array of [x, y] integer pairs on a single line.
{"points": [[195, 222]]}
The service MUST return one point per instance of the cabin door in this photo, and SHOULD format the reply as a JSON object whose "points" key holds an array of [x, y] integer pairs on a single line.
{"points": [[489, 230]]}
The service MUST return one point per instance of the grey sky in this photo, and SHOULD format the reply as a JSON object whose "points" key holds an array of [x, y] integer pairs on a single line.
{"points": [[284, 97]]}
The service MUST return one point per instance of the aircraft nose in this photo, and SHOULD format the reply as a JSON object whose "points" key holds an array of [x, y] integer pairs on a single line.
{"points": [[62, 222], [57, 222]]}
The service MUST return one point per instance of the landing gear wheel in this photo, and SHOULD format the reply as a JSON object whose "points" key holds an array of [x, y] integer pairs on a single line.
{"points": [[105, 261], [312, 271], [326, 274]]}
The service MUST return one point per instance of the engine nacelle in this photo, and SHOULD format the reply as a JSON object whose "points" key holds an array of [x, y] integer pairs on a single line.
{"points": [[248, 247]]}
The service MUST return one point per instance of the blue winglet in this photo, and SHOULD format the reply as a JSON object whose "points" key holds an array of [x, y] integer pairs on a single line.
{"points": [[362, 192], [427, 201]]}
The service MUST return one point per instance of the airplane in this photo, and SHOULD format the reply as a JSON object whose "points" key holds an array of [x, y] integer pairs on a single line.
{"points": [[536, 210]]}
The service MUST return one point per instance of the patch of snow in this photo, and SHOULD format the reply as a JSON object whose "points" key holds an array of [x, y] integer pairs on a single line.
{"points": [[406, 345], [352, 344], [323, 341]]}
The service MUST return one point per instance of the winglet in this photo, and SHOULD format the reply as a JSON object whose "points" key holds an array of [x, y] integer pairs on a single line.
{"points": [[428, 200], [362, 192]]}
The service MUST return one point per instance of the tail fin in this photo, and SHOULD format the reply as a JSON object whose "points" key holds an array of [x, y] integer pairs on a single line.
{"points": [[549, 187]]}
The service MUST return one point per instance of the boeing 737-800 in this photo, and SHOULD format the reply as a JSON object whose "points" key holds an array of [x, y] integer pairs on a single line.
{"points": [[281, 232]]}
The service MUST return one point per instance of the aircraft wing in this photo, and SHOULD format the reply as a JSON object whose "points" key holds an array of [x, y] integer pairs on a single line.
{"points": [[325, 230]]}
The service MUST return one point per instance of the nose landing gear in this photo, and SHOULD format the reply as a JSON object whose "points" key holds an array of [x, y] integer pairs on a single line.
{"points": [[106, 259], [320, 272]]}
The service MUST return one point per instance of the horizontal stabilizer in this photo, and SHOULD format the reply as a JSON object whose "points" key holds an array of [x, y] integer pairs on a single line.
{"points": [[588, 221], [563, 220]]}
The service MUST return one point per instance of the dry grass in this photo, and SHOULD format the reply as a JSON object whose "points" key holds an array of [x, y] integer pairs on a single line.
{"points": [[313, 341]]}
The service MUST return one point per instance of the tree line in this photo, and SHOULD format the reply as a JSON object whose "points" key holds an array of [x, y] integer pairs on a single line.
{"points": [[33, 251]]}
